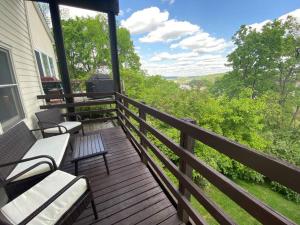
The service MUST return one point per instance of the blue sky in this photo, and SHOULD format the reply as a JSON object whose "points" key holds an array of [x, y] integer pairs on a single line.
{"points": [[219, 17], [192, 37]]}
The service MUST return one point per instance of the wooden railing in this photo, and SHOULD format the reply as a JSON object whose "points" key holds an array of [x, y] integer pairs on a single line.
{"points": [[276, 170], [85, 99], [271, 167]]}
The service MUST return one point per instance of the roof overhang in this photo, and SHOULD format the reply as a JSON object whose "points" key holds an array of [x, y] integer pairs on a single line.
{"points": [[97, 5]]}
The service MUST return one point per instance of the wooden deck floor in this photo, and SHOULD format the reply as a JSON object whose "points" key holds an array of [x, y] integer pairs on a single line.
{"points": [[130, 194]]}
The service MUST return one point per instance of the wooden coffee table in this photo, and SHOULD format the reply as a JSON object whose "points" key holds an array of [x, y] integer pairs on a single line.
{"points": [[88, 146]]}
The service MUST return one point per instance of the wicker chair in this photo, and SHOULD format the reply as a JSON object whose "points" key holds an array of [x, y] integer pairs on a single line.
{"points": [[52, 123], [58, 199], [20, 150]]}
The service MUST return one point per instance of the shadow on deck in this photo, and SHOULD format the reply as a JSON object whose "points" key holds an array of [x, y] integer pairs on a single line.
{"points": [[130, 194]]}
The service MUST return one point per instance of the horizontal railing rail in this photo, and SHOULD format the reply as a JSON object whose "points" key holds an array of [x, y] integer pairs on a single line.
{"points": [[94, 115], [77, 104], [273, 168], [87, 94]]}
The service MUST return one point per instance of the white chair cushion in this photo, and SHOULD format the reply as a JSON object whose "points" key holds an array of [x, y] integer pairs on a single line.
{"points": [[68, 124], [53, 146], [21, 207]]}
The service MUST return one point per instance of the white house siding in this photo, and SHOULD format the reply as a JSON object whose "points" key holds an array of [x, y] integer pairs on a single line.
{"points": [[41, 39], [15, 36]]}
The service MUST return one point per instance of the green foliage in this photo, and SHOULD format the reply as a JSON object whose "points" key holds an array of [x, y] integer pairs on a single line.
{"points": [[240, 119], [263, 61], [87, 46]]}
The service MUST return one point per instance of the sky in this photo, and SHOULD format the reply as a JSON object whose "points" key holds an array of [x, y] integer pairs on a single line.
{"points": [[192, 37]]}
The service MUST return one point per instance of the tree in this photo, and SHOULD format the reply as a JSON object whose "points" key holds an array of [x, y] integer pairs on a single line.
{"points": [[264, 60], [86, 43], [87, 46], [128, 57]]}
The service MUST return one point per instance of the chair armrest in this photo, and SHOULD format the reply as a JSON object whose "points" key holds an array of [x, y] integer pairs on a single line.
{"points": [[29, 159], [37, 129], [54, 125], [26, 170], [53, 198], [52, 166]]}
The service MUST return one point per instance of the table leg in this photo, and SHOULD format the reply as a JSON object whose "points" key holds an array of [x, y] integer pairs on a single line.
{"points": [[76, 168], [105, 161]]}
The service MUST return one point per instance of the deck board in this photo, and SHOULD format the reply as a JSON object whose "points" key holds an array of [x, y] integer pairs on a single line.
{"points": [[130, 194]]}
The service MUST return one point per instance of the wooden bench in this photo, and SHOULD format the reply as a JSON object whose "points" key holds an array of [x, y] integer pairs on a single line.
{"points": [[20, 150]]}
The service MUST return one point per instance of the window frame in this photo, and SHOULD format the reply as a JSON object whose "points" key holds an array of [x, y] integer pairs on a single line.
{"points": [[4, 126], [47, 58]]}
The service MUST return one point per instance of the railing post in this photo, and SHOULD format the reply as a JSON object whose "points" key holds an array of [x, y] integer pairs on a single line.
{"points": [[126, 114], [188, 144], [142, 115]]}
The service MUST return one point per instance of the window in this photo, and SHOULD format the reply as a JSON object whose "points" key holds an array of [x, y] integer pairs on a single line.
{"points": [[45, 64], [11, 111], [39, 63]]}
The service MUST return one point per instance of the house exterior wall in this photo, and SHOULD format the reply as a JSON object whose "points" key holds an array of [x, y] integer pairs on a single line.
{"points": [[15, 36], [40, 33]]}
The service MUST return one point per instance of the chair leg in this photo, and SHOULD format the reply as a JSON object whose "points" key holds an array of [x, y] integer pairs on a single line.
{"points": [[105, 161], [94, 209], [82, 130], [76, 168]]}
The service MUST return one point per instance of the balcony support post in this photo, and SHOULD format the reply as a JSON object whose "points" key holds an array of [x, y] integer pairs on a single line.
{"points": [[114, 51], [188, 143], [60, 50]]}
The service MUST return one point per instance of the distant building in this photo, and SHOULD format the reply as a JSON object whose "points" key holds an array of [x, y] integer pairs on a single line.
{"points": [[185, 86]]}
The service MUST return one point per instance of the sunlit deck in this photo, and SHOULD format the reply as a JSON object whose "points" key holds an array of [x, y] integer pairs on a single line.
{"points": [[130, 194]]}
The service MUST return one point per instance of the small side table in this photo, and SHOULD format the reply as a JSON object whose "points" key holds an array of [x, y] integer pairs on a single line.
{"points": [[88, 146]]}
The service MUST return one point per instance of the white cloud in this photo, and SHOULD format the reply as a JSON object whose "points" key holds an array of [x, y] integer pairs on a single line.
{"points": [[168, 56], [170, 2], [202, 42], [72, 12], [145, 20], [185, 64], [195, 67], [169, 31], [202, 53], [295, 13], [259, 26], [121, 13]]}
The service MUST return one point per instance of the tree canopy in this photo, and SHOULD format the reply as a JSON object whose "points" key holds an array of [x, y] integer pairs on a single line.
{"points": [[87, 46]]}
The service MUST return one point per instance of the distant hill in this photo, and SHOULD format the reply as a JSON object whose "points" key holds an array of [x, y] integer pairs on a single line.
{"points": [[184, 80]]}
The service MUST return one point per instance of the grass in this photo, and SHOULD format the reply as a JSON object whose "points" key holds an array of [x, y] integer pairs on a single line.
{"points": [[263, 192]]}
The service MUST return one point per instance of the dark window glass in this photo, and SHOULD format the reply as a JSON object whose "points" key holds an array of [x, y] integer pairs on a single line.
{"points": [[39, 63], [5, 69], [10, 105]]}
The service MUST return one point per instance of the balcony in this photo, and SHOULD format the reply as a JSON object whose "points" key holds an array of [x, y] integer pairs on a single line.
{"points": [[138, 189]]}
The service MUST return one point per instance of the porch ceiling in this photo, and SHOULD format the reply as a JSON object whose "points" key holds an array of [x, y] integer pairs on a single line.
{"points": [[97, 5]]}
